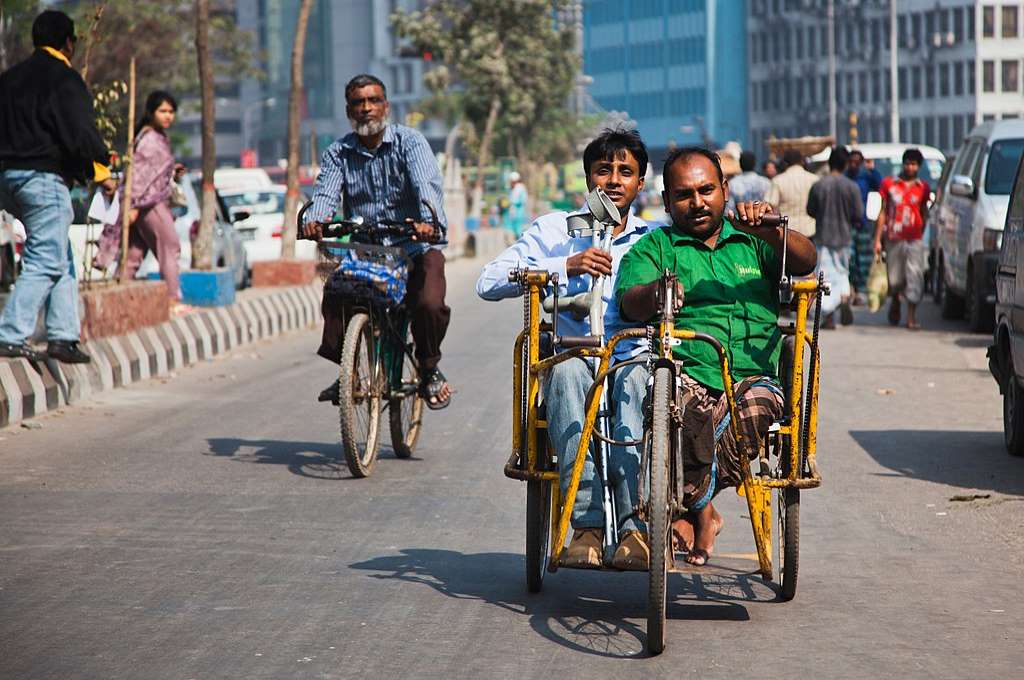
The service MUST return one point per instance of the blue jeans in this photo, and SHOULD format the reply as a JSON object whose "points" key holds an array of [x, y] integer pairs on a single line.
{"points": [[42, 201], [565, 392]]}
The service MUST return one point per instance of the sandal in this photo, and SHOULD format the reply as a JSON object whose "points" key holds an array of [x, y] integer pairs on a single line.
{"points": [[430, 388]]}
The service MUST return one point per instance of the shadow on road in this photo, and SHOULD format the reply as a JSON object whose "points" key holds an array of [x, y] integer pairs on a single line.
{"points": [[594, 613], [971, 460], [321, 460]]}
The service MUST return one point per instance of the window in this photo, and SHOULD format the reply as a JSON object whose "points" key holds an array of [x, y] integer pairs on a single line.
{"points": [[877, 81], [901, 30], [958, 130], [929, 26], [943, 80], [862, 86], [929, 82], [915, 130], [970, 76], [1002, 166], [988, 21], [958, 78], [915, 29], [944, 132], [1010, 14], [988, 76], [812, 42], [969, 12], [958, 23], [799, 43], [1011, 75], [929, 131], [915, 82]]}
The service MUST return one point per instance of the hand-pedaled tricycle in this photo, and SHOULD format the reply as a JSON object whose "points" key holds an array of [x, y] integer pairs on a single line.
{"points": [[785, 464]]}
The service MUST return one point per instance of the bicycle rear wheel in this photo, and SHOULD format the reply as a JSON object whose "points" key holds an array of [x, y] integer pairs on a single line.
{"points": [[360, 388], [658, 524], [405, 408]]}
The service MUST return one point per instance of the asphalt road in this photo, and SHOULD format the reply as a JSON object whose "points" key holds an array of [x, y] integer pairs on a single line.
{"points": [[200, 527]]}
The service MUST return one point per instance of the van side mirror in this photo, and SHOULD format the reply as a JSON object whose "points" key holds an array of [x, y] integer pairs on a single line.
{"points": [[962, 185]]}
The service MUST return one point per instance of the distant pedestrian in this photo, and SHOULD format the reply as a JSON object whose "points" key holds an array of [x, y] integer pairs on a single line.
{"points": [[789, 192], [770, 169], [152, 185], [834, 203], [900, 231], [517, 199], [48, 141], [748, 185], [862, 251]]}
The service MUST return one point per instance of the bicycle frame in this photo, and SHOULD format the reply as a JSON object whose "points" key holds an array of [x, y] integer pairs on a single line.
{"points": [[528, 367]]}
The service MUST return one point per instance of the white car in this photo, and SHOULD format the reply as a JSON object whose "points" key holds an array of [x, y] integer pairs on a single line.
{"points": [[261, 231]]}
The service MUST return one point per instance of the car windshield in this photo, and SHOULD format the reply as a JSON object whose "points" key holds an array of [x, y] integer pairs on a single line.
{"points": [[929, 172], [256, 202], [1002, 166]]}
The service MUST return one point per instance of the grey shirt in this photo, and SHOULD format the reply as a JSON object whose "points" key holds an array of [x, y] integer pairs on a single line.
{"points": [[835, 205]]}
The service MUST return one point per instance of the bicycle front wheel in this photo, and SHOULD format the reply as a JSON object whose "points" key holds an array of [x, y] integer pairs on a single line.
{"points": [[361, 385]]}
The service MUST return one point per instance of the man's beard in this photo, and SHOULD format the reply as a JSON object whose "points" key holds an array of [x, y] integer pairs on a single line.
{"points": [[374, 127]]}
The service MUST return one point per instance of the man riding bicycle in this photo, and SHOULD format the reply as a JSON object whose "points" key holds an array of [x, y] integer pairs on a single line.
{"points": [[615, 161], [728, 269], [387, 171]]}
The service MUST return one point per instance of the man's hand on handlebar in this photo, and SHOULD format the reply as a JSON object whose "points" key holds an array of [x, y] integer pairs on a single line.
{"points": [[593, 261], [313, 231], [425, 232], [748, 215]]}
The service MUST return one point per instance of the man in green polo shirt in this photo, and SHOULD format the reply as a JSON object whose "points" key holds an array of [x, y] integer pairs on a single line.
{"points": [[729, 272]]}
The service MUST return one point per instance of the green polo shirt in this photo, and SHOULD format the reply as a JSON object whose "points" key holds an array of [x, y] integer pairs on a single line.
{"points": [[731, 293]]}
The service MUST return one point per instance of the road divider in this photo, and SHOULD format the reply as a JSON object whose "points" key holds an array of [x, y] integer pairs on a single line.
{"points": [[29, 389]]}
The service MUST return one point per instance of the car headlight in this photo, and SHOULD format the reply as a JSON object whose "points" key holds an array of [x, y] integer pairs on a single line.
{"points": [[992, 240]]}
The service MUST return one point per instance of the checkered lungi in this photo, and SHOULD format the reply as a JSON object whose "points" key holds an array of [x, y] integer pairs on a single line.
{"points": [[710, 456]]}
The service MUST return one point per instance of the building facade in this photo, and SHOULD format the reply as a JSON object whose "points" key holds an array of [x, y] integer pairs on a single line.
{"points": [[958, 64], [344, 38], [676, 67]]}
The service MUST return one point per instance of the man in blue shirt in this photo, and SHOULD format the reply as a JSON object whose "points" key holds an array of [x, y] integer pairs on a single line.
{"points": [[748, 185], [615, 161], [386, 172], [862, 252]]}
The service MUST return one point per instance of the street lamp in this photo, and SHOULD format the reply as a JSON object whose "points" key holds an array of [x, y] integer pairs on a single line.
{"points": [[246, 116]]}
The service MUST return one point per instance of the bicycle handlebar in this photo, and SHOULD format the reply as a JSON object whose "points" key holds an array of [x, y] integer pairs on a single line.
{"points": [[357, 225]]}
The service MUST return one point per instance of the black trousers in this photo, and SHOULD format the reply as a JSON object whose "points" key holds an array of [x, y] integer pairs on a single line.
{"points": [[424, 299]]}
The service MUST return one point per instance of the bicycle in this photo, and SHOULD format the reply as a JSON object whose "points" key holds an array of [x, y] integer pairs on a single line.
{"points": [[378, 370]]}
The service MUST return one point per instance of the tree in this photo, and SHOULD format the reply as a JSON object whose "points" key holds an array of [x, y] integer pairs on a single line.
{"points": [[202, 249], [505, 70], [16, 17], [295, 93]]}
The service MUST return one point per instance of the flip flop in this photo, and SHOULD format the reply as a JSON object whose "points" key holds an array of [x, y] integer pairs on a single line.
{"points": [[430, 388], [698, 557]]}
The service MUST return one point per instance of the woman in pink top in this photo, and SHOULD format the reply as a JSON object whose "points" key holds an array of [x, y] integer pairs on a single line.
{"points": [[152, 224], [154, 171]]}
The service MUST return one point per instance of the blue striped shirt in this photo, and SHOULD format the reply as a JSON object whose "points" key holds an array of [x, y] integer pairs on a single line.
{"points": [[388, 183]]}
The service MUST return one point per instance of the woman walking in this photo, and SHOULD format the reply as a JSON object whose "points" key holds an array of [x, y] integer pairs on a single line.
{"points": [[154, 172]]}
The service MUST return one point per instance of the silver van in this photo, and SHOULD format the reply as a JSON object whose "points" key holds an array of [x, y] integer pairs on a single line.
{"points": [[969, 218]]}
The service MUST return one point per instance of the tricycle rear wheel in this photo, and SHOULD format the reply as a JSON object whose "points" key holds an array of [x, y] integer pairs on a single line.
{"points": [[658, 524]]}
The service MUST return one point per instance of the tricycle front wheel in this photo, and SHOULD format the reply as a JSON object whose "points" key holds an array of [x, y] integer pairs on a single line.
{"points": [[658, 524]]}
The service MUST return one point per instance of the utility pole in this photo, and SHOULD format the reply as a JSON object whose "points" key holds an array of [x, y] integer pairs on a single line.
{"points": [[832, 72], [894, 75]]}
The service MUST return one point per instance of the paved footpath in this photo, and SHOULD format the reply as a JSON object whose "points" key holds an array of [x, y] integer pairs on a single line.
{"points": [[200, 527]]}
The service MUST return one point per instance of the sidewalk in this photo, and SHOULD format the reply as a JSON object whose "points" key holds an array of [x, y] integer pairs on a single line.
{"points": [[29, 389]]}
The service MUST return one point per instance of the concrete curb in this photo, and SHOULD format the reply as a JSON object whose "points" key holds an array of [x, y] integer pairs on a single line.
{"points": [[29, 389]]}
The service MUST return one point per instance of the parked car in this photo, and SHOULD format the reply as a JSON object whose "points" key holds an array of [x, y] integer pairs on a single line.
{"points": [[261, 231], [228, 250], [241, 178], [12, 237], [1006, 354], [970, 219]]}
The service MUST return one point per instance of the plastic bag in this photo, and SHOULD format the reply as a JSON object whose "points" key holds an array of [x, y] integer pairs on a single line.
{"points": [[878, 284]]}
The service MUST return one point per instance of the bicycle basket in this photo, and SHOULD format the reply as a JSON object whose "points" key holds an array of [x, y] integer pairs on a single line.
{"points": [[374, 274]]}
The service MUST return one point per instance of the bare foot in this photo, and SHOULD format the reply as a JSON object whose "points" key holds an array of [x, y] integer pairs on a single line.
{"points": [[709, 524], [682, 534]]}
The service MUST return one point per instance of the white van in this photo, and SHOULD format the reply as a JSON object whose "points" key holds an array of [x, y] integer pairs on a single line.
{"points": [[969, 221]]}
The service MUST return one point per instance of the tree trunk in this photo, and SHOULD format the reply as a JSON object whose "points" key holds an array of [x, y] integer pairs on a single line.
{"points": [[202, 249], [291, 201], [476, 208]]}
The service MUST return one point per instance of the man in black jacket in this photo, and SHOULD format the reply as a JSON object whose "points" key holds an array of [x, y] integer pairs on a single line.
{"points": [[48, 141]]}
